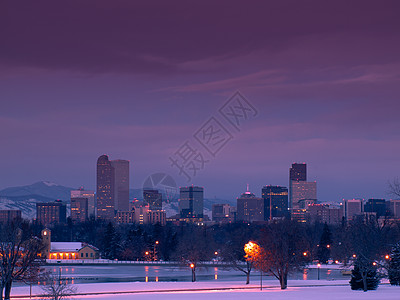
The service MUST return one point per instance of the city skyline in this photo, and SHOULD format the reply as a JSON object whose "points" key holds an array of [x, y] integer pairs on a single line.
{"points": [[132, 83]]}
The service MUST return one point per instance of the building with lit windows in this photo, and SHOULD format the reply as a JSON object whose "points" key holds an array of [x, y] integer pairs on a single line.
{"points": [[79, 210], [351, 208], [153, 198], [191, 202], [89, 195], [105, 189], [9, 215], [67, 250], [302, 190], [223, 213], [275, 202], [157, 217], [250, 208], [51, 213]]}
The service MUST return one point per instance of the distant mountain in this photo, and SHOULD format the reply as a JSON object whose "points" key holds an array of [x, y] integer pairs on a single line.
{"points": [[41, 188], [27, 204], [26, 197]]}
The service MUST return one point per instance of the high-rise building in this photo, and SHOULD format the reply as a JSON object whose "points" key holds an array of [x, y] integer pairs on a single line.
{"points": [[51, 213], [153, 198], [105, 189], [298, 172], [301, 191], [8, 215], [377, 206], [89, 195], [352, 208], [324, 213], [249, 207], [275, 202], [79, 210], [121, 184], [191, 202]]}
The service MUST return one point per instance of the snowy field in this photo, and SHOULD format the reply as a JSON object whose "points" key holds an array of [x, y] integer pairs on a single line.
{"points": [[298, 289]]}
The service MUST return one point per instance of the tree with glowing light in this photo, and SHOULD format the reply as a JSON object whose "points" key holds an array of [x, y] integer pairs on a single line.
{"points": [[281, 250]]}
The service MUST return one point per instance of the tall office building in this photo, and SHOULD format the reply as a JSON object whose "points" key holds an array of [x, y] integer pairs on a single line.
{"points": [[153, 198], [298, 172], [302, 191], [275, 202], [105, 189], [89, 195], [121, 184], [377, 206], [191, 202], [79, 210], [51, 213], [249, 207], [352, 208], [299, 188]]}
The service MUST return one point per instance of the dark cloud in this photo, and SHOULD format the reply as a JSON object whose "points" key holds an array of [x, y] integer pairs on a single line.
{"points": [[159, 36]]}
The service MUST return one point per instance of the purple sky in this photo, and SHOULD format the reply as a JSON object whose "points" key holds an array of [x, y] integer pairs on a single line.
{"points": [[135, 81]]}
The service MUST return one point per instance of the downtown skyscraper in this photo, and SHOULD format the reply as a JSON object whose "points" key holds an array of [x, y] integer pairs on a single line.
{"points": [[191, 201], [121, 184], [112, 187], [105, 189], [300, 189]]}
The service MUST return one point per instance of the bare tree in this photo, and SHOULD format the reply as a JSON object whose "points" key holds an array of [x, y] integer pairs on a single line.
{"points": [[19, 255], [234, 254], [282, 249], [57, 289], [394, 187], [194, 248]]}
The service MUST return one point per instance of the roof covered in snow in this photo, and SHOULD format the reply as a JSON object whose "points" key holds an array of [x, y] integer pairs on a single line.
{"points": [[66, 246]]}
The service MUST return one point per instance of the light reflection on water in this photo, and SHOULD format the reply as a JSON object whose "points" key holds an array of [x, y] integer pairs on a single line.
{"points": [[129, 273]]}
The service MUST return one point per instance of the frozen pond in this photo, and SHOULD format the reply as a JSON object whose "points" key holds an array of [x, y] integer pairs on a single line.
{"points": [[131, 273]]}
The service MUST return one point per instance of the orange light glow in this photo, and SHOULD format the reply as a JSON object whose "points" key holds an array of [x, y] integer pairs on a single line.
{"points": [[374, 263], [318, 265], [387, 256], [192, 266], [305, 253]]}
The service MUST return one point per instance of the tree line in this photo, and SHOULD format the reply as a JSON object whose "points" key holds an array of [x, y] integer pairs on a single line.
{"points": [[283, 246]]}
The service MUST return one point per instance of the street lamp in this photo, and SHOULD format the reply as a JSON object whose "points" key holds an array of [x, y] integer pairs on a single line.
{"points": [[192, 266], [154, 251], [319, 266]]}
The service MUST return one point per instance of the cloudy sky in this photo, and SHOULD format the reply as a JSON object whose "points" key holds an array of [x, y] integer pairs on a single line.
{"points": [[137, 79]]}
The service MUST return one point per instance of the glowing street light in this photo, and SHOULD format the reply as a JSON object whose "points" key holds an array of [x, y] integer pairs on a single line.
{"points": [[192, 266], [319, 266], [387, 256]]}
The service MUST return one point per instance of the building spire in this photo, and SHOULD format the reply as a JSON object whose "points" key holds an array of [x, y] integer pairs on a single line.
{"points": [[247, 188]]}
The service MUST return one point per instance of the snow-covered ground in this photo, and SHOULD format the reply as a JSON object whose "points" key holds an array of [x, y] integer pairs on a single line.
{"points": [[298, 289]]}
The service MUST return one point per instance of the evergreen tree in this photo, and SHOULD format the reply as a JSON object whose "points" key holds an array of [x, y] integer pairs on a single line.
{"points": [[324, 252], [364, 276], [111, 242], [394, 265]]}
